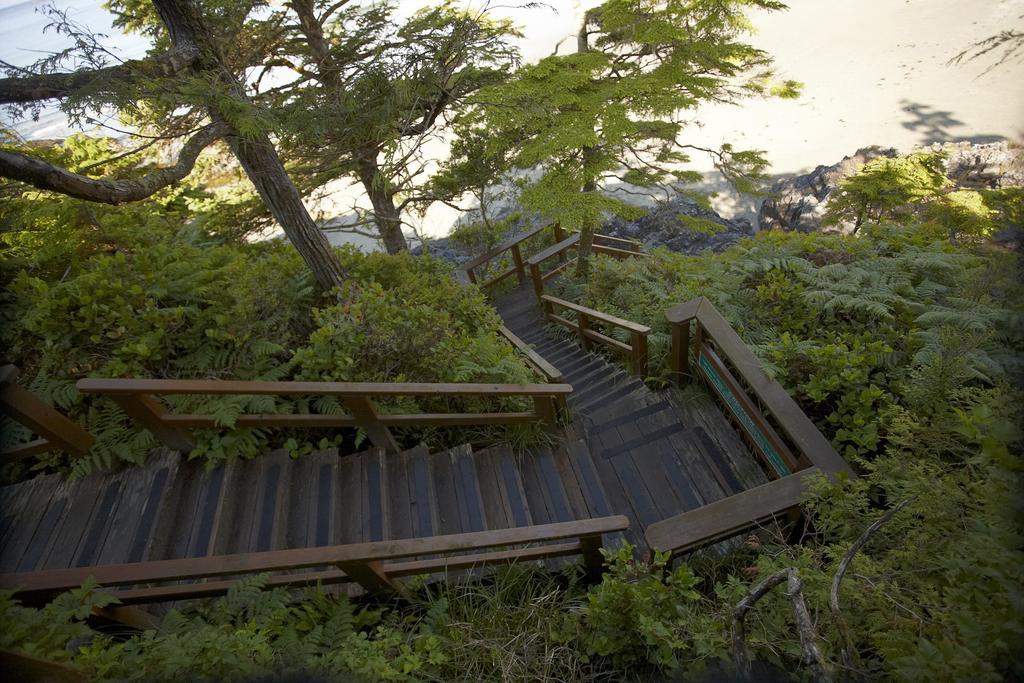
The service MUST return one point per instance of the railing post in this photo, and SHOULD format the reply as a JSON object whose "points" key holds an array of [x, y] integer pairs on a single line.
{"points": [[538, 280], [590, 548], [28, 409], [363, 411], [149, 411], [517, 258], [559, 233], [544, 406], [371, 576], [582, 326], [681, 352], [640, 354]]}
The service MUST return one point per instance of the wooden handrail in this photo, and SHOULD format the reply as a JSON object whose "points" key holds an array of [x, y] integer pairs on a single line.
{"points": [[636, 350], [812, 448], [729, 516], [537, 362], [372, 565], [138, 399], [554, 249], [512, 245], [220, 387], [55, 431], [560, 248], [598, 315]]}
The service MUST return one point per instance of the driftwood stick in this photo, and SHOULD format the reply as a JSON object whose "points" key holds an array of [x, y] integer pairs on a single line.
{"points": [[849, 651], [739, 615], [812, 656], [805, 627]]}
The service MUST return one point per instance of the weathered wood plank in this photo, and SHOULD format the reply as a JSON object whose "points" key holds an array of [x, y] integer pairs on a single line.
{"points": [[399, 501], [729, 516], [348, 505], [226, 565], [449, 520]]}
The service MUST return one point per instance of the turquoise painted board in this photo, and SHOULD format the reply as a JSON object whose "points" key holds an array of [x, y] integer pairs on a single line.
{"points": [[748, 423]]}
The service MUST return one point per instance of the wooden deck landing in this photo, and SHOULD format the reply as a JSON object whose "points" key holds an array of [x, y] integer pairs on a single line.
{"points": [[630, 451]]}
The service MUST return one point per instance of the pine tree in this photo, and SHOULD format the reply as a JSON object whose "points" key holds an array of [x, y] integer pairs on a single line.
{"points": [[612, 111]]}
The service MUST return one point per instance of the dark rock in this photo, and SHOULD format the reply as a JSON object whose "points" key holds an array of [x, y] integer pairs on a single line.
{"points": [[799, 203], [441, 249], [994, 165], [665, 227]]}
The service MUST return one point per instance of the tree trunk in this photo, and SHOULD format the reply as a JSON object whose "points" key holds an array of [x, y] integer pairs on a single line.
{"points": [[256, 153], [385, 213], [586, 243]]}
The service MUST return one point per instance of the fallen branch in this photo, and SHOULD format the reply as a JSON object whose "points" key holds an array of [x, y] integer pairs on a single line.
{"points": [[849, 651], [812, 656]]}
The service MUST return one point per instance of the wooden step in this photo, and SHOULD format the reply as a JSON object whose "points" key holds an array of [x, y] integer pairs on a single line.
{"points": [[347, 510], [29, 515], [133, 521], [375, 509], [467, 489], [545, 492], [320, 513], [267, 531], [514, 487], [611, 404], [238, 508], [493, 491], [597, 386], [400, 506], [422, 496]]}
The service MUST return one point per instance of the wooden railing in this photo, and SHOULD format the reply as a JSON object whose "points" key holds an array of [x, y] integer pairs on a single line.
{"points": [[767, 415], [603, 244], [55, 431], [138, 399], [512, 246], [552, 374], [768, 418], [635, 352], [729, 516], [374, 566]]}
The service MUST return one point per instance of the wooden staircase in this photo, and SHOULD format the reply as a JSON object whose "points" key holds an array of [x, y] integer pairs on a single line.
{"points": [[654, 455], [175, 509]]}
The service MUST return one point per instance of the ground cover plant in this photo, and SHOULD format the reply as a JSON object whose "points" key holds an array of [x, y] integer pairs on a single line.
{"points": [[159, 290]]}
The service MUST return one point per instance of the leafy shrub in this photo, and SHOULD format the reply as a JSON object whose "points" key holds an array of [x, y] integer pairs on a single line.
{"points": [[180, 310], [247, 633], [914, 188], [904, 350]]}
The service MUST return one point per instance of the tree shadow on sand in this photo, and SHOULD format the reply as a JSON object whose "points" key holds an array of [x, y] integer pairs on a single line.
{"points": [[935, 125]]}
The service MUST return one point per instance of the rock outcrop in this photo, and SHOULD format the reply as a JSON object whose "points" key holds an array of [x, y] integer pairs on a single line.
{"points": [[798, 203], [666, 226]]}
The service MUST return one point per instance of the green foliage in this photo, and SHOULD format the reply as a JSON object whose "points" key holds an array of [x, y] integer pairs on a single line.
{"points": [[634, 616], [249, 632], [904, 350], [914, 188], [609, 112], [179, 310]]}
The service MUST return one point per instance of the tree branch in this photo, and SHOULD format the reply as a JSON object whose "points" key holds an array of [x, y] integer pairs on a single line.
{"points": [[811, 654], [59, 85], [849, 652], [46, 176]]}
